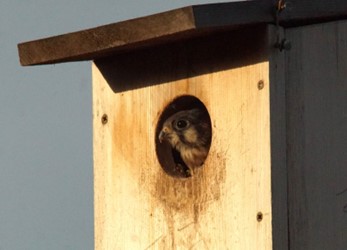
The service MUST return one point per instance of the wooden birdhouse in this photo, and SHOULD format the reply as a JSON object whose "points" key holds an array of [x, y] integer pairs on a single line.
{"points": [[271, 79]]}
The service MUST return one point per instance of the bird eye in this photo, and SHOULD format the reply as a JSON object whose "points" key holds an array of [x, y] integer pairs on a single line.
{"points": [[181, 124]]}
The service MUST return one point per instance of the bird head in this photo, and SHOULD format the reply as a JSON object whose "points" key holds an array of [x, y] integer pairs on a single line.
{"points": [[184, 128]]}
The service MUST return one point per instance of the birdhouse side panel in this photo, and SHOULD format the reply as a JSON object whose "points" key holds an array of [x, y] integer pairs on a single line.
{"points": [[317, 137], [225, 204]]}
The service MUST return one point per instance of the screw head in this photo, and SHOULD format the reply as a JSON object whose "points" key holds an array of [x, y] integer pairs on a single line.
{"points": [[260, 84], [259, 216], [284, 44], [104, 119]]}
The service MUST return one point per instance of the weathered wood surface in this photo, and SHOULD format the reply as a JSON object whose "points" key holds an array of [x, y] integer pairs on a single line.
{"points": [[137, 205], [174, 25], [316, 76], [105, 40], [278, 142]]}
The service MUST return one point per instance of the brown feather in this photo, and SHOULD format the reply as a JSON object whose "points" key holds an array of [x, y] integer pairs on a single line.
{"points": [[189, 132]]}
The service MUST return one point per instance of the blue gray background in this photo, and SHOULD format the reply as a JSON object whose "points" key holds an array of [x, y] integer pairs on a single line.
{"points": [[46, 163]]}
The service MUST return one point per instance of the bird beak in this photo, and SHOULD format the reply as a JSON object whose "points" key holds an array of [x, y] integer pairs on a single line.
{"points": [[162, 136]]}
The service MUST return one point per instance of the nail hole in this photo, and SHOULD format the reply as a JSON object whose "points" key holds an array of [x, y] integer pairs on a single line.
{"points": [[170, 157], [104, 119], [259, 216]]}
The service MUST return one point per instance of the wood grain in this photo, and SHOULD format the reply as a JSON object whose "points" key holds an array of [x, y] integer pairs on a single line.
{"points": [[317, 136], [108, 39], [139, 206], [278, 142], [176, 25]]}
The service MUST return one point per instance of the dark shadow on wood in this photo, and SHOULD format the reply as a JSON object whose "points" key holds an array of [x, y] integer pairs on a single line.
{"points": [[212, 52]]}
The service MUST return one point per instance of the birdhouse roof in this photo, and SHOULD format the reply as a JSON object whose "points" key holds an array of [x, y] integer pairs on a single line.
{"points": [[183, 23]]}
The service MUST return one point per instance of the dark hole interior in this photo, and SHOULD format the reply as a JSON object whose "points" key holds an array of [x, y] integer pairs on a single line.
{"points": [[168, 157]]}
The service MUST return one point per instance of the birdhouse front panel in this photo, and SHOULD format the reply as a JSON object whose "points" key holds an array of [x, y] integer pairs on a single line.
{"points": [[146, 197]]}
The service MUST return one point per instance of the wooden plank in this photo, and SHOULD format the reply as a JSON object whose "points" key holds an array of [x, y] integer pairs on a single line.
{"points": [[139, 206], [317, 136], [158, 64], [304, 12], [297, 12], [104, 40], [173, 25], [278, 142]]}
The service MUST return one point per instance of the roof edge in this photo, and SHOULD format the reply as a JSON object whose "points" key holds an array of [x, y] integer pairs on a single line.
{"points": [[176, 24]]}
